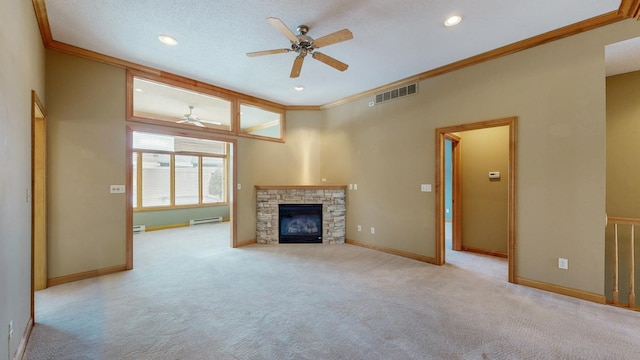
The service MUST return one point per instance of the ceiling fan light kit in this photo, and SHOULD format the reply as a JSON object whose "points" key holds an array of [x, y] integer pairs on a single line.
{"points": [[303, 44]]}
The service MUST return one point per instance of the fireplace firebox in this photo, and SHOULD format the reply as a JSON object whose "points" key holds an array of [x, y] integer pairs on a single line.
{"points": [[300, 223]]}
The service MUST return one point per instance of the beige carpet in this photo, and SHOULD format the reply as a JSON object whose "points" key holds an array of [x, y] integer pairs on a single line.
{"points": [[191, 297]]}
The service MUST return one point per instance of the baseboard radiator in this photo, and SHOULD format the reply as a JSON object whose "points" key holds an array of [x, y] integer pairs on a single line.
{"points": [[139, 228], [205, 220]]}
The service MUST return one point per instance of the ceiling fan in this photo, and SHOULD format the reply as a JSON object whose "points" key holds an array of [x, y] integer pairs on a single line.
{"points": [[303, 44], [190, 118]]}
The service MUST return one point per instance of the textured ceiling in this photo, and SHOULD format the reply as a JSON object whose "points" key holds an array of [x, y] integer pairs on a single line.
{"points": [[393, 40]]}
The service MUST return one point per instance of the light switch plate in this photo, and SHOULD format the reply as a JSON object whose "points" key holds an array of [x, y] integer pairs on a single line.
{"points": [[425, 187], [116, 189]]}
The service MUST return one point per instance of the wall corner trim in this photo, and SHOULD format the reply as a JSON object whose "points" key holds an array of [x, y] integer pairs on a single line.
{"points": [[562, 290], [629, 9]]}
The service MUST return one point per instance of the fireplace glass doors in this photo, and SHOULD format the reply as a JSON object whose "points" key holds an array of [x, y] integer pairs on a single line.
{"points": [[300, 223]]}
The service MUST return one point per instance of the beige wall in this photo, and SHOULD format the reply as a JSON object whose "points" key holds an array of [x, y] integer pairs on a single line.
{"points": [[21, 71], [556, 90], [296, 162], [86, 144], [386, 150], [485, 201], [623, 170], [623, 130]]}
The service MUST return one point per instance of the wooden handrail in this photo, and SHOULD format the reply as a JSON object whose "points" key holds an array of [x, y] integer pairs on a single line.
{"points": [[623, 221]]}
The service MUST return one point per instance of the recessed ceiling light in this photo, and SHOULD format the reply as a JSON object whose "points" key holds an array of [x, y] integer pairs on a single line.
{"points": [[452, 21], [166, 39], [299, 87], [138, 90]]}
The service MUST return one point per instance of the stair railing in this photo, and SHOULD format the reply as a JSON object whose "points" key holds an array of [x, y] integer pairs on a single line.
{"points": [[616, 221]]}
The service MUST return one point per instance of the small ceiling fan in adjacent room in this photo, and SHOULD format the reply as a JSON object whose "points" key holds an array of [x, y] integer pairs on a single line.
{"points": [[190, 118], [303, 44]]}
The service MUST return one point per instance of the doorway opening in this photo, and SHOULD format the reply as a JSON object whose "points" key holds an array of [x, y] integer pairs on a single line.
{"points": [[452, 204], [449, 202], [178, 178]]}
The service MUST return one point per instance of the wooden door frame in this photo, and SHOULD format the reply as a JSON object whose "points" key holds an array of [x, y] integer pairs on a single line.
{"points": [[441, 134], [38, 194], [233, 164], [456, 188]]}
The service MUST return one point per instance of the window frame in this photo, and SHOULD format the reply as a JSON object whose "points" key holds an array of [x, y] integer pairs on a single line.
{"points": [[172, 191], [282, 120], [182, 83]]}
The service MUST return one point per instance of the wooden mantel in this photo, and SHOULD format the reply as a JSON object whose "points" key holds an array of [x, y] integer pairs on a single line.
{"points": [[300, 187]]}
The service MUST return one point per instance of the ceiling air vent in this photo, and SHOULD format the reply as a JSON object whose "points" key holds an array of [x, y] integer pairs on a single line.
{"points": [[393, 94]]}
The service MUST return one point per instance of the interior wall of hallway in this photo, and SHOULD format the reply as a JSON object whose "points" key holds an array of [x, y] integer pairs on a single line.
{"points": [[623, 173]]}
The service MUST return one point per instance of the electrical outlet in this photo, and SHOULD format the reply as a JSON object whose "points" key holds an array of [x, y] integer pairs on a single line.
{"points": [[359, 227], [373, 230], [10, 329], [563, 263], [355, 186]]}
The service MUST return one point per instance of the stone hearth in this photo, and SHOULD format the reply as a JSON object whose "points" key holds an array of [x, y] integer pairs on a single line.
{"points": [[332, 199]]}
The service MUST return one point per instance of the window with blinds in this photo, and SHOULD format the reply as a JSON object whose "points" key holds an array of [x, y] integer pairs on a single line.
{"points": [[187, 185], [173, 171], [156, 180]]}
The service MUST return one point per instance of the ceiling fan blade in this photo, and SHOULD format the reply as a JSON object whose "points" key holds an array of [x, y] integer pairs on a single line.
{"points": [[278, 24], [267, 52], [336, 37], [336, 64], [197, 123], [297, 66], [182, 121]]}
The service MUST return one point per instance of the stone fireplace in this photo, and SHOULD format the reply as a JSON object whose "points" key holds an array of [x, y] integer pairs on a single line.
{"points": [[331, 199]]}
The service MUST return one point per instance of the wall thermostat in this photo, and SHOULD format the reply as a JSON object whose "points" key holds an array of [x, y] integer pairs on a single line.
{"points": [[494, 175]]}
